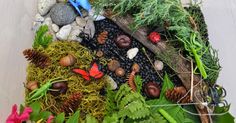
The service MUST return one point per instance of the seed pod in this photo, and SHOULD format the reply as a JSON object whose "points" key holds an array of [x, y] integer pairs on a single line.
{"points": [[68, 60], [99, 54]]}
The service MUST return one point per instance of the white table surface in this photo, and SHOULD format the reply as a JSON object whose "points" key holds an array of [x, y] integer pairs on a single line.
{"points": [[15, 35]]}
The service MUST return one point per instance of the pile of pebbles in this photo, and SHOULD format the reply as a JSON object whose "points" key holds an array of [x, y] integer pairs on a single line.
{"points": [[63, 21]]}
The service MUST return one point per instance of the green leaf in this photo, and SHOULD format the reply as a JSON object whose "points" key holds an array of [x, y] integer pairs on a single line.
{"points": [[139, 83], [44, 115], [167, 84], [74, 118], [36, 109], [60, 118], [111, 119], [41, 38], [226, 117], [90, 119]]}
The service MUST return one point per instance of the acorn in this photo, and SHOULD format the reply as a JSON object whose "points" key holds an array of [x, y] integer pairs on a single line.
{"points": [[59, 87], [135, 68], [152, 90], [99, 54], [32, 85], [113, 65], [120, 72], [68, 60], [123, 41]]}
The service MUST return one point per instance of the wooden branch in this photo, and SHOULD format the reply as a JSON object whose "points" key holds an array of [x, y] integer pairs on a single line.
{"points": [[182, 65]]}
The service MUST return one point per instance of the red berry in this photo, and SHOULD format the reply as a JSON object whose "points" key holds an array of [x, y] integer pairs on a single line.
{"points": [[154, 37]]}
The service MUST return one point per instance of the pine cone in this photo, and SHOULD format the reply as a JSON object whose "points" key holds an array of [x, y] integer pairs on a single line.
{"points": [[102, 37], [177, 93], [37, 58], [72, 103]]}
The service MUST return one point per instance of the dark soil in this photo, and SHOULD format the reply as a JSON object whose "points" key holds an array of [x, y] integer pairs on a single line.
{"points": [[111, 51]]}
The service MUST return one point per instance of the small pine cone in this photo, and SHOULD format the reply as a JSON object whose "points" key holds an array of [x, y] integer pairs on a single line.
{"points": [[72, 103], [37, 58], [102, 37], [176, 95]]}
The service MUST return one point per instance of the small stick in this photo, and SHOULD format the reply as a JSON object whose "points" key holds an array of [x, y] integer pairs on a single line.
{"points": [[191, 94], [152, 63]]}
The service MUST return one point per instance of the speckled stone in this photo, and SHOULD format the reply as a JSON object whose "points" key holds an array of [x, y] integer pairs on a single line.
{"points": [[62, 14]]}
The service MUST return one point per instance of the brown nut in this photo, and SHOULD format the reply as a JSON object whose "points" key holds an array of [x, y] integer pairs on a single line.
{"points": [[123, 41], [152, 90], [99, 54], [68, 60], [113, 65], [120, 72], [135, 68], [32, 85], [61, 88]]}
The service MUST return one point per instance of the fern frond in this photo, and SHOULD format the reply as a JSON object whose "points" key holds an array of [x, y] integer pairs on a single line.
{"points": [[139, 83], [129, 98], [124, 90]]}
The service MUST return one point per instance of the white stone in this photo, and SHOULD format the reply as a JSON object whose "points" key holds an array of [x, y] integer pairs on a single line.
{"points": [[55, 28], [76, 30], [159, 65], [132, 53], [48, 22], [95, 17], [90, 27], [111, 83], [64, 32], [39, 18], [81, 21], [45, 5]]}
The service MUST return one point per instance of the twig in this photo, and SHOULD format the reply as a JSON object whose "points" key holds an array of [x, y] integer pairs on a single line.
{"points": [[191, 94], [144, 51]]}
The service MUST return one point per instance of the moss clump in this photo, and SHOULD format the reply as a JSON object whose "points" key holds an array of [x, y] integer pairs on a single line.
{"points": [[92, 102]]}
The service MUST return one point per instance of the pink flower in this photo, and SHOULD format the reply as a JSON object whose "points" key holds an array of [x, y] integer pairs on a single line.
{"points": [[14, 117], [50, 119]]}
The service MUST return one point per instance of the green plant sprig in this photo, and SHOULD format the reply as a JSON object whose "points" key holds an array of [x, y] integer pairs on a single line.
{"points": [[41, 38]]}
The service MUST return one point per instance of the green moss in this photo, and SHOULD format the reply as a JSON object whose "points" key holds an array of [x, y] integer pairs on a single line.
{"points": [[92, 102]]}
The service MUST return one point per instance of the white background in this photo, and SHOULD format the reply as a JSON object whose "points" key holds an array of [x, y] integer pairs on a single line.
{"points": [[16, 18]]}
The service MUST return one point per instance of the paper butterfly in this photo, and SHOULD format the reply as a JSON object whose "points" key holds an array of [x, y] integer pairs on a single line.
{"points": [[83, 3], [94, 72]]}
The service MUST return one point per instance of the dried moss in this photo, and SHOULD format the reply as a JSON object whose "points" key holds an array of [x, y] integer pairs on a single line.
{"points": [[92, 102]]}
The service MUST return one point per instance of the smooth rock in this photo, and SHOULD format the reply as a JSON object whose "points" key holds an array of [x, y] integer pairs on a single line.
{"points": [[132, 53], [48, 22], [81, 21], [89, 27], [44, 6], [96, 17], [111, 83], [159, 65], [55, 28], [76, 30], [62, 14], [39, 18], [64, 32]]}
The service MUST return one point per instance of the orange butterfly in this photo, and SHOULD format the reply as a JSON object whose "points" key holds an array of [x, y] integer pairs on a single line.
{"points": [[94, 72]]}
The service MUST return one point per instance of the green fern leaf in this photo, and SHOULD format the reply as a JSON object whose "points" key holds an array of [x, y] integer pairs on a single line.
{"points": [[139, 83], [41, 38]]}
